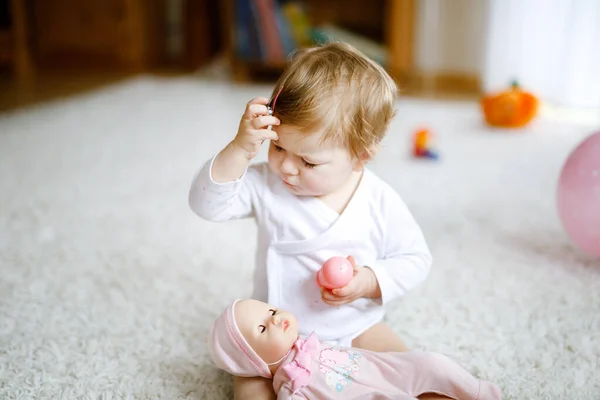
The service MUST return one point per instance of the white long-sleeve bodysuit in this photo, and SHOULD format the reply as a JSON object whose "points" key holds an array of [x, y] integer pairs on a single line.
{"points": [[297, 234]]}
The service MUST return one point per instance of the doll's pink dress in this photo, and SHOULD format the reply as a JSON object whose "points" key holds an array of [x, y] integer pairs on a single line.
{"points": [[315, 370]]}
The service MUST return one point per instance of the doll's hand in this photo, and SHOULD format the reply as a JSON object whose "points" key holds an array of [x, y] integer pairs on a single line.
{"points": [[252, 131], [363, 284]]}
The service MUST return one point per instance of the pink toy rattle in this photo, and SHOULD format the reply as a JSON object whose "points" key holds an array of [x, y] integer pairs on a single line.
{"points": [[335, 273]]}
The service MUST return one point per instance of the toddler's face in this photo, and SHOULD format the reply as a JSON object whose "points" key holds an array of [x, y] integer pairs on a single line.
{"points": [[269, 331], [305, 165]]}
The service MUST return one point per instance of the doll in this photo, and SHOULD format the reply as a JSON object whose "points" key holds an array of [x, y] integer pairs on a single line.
{"points": [[252, 338]]}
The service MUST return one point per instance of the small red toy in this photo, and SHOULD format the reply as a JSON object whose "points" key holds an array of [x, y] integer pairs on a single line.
{"points": [[422, 144], [335, 273]]}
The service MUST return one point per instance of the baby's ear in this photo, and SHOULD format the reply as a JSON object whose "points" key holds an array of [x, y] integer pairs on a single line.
{"points": [[364, 157]]}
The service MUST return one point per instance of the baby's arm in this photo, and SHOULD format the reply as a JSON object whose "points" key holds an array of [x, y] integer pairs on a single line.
{"points": [[222, 189], [217, 202], [407, 260], [253, 130]]}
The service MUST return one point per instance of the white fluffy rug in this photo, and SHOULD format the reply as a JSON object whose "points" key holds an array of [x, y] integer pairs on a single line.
{"points": [[108, 282]]}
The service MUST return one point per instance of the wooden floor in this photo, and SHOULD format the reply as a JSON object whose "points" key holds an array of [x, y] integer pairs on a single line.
{"points": [[48, 86]]}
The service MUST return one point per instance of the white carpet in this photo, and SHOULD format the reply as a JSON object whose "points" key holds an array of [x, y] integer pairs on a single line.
{"points": [[108, 282]]}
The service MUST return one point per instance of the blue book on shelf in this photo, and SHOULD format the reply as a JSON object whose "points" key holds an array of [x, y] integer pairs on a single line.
{"points": [[252, 44], [285, 30], [246, 32]]}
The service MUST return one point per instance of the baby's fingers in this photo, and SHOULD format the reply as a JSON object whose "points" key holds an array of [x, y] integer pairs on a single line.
{"points": [[326, 295], [329, 298], [342, 292], [258, 100], [331, 295], [255, 110], [334, 303], [263, 121], [264, 134], [332, 300]]}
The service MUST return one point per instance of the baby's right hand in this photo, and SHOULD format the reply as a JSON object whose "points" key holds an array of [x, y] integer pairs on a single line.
{"points": [[253, 131]]}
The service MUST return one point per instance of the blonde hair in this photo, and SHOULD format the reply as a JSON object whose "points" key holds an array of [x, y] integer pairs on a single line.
{"points": [[336, 88]]}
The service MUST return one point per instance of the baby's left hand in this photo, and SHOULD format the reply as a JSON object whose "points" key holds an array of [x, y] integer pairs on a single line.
{"points": [[363, 284]]}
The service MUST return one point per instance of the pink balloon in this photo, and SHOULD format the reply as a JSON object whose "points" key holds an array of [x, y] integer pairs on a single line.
{"points": [[579, 195]]}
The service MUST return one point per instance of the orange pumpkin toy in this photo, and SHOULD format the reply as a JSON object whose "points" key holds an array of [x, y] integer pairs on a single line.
{"points": [[512, 108]]}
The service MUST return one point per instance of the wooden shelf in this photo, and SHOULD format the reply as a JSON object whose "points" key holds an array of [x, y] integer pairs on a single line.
{"points": [[6, 46], [92, 34], [390, 22]]}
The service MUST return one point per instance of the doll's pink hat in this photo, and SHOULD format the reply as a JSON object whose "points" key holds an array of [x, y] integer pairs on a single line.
{"points": [[230, 351]]}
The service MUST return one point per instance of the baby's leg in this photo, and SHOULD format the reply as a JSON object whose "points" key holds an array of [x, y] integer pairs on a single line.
{"points": [[253, 388], [379, 337]]}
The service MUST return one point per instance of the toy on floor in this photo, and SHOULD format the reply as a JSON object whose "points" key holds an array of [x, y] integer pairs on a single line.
{"points": [[422, 143], [251, 338], [335, 273], [512, 108], [579, 195]]}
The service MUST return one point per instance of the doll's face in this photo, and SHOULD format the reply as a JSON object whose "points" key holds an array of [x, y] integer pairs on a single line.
{"points": [[269, 331]]}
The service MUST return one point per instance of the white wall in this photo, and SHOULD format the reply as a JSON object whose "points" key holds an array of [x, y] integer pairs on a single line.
{"points": [[450, 36], [552, 50]]}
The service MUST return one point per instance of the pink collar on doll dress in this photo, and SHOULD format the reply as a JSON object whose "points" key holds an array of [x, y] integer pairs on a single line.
{"points": [[299, 369]]}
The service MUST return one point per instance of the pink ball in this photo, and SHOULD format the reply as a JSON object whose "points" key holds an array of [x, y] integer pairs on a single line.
{"points": [[335, 273], [579, 195]]}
